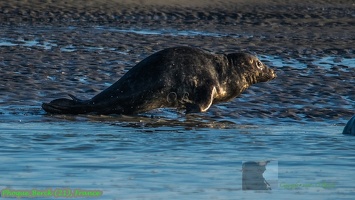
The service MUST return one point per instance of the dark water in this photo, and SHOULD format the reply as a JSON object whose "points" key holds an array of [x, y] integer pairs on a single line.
{"points": [[294, 123]]}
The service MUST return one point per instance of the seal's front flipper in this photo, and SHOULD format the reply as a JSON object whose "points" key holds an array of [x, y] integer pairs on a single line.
{"points": [[203, 100], [192, 108]]}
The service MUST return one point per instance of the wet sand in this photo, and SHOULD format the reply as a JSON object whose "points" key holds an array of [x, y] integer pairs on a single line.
{"points": [[301, 27], [81, 47]]}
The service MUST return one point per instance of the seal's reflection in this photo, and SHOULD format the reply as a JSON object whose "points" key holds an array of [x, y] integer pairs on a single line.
{"points": [[253, 178]]}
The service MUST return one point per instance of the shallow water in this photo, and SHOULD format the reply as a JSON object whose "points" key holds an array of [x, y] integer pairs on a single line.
{"points": [[175, 162], [294, 122]]}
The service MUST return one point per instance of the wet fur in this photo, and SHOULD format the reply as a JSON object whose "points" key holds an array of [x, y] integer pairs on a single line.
{"points": [[181, 77]]}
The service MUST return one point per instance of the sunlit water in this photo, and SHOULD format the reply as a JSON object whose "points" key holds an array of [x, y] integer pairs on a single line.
{"points": [[167, 155]]}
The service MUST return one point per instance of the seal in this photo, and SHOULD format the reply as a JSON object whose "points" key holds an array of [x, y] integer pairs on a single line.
{"points": [[181, 77]]}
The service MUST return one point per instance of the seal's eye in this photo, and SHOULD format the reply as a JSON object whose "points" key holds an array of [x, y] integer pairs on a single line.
{"points": [[259, 64]]}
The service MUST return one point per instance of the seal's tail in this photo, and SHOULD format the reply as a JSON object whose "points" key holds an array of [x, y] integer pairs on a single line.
{"points": [[67, 106]]}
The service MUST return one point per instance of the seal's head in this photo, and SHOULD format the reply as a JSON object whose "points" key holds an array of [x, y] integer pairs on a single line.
{"points": [[253, 70]]}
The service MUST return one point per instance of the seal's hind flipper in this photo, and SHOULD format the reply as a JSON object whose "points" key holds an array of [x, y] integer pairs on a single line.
{"points": [[51, 109], [66, 106], [74, 98]]}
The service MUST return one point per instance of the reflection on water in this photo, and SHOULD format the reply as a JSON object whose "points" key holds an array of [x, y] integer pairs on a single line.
{"points": [[48, 45], [170, 32], [324, 62], [7, 42]]}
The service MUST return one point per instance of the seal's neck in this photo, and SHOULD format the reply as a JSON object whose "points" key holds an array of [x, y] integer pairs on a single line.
{"points": [[250, 78], [241, 68]]}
